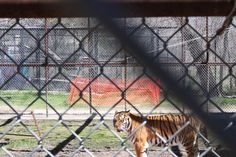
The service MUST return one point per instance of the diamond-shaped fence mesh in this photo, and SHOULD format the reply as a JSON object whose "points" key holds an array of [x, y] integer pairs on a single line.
{"points": [[63, 79]]}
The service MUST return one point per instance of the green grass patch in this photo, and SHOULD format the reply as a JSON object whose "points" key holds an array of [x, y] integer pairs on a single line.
{"points": [[59, 100], [101, 139], [225, 101], [21, 99]]}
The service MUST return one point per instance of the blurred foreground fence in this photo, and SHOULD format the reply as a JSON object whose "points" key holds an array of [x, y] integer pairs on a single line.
{"points": [[137, 61]]}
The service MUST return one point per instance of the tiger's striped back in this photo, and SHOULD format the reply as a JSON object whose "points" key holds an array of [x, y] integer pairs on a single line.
{"points": [[162, 130]]}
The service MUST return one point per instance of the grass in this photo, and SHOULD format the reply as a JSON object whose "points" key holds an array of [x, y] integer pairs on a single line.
{"points": [[21, 99], [225, 101], [101, 139]]}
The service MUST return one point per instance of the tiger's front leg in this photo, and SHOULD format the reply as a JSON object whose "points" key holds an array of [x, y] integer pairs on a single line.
{"points": [[141, 149]]}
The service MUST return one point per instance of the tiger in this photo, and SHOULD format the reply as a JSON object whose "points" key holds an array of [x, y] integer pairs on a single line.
{"points": [[167, 126]]}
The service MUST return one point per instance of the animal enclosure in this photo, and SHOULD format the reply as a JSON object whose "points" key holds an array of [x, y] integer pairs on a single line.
{"points": [[63, 79]]}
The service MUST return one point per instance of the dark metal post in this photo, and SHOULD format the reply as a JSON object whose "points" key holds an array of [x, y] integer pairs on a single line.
{"points": [[208, 67], [46, 64], [125, 83], [90, 49]]}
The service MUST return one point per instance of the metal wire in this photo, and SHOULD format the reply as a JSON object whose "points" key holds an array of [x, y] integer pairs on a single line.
{"points": [[76, 49]]}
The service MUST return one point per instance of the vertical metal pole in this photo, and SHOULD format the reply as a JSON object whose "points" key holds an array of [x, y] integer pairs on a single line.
{"points": [[46, 64], [125, 83], [183, 52], [208, 67], [215, 67], [90, 100], [37, 59], [90, 45], [229, 57]]}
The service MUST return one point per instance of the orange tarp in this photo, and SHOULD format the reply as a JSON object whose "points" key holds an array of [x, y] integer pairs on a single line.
{"points": [[104, 92]]}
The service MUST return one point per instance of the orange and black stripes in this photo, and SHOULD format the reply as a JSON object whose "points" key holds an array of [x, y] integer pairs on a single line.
{"points": [[165, 125]]}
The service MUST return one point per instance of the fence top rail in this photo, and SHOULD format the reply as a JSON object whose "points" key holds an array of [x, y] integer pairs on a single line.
{"points": [[131, 8]]}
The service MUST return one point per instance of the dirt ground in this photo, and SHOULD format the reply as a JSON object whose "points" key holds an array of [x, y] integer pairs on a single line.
{"points": [[82, 114], [223, 153], [112, 153], [95, 153]]}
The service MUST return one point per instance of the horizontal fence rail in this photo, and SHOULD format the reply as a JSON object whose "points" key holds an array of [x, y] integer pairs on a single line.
{"points": [[131, 8]]}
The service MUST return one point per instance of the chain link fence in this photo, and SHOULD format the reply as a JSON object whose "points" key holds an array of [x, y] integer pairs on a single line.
{"points": [[62, 79]]}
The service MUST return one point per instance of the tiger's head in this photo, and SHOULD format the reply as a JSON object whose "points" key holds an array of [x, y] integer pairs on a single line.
{"points": [[122, 121]]}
